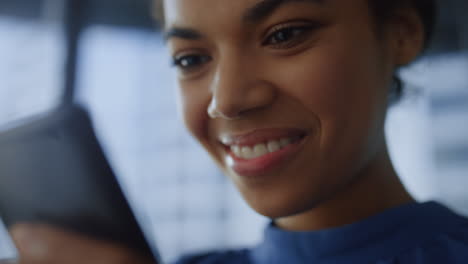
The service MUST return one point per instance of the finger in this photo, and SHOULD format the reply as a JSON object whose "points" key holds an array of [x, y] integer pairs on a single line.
{"points": [[30, 246], [8, 261], [43, 244]]}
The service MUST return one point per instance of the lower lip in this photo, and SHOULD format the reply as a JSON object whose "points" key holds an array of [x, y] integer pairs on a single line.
{"points": [[254, 168]]}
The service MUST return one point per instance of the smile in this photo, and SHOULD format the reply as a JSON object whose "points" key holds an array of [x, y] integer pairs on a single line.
{"points": [[261, 151]]}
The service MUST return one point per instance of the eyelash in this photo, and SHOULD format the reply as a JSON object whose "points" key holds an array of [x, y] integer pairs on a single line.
{"points": [[179, 61], [298, 33]]}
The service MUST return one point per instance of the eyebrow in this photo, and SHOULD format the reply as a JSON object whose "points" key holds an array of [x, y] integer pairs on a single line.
{"points": [[266, 8], [184, 33], [255, 14]]}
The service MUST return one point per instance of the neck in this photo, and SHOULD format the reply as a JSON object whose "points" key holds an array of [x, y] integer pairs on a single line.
{"points": [[375, 189]]}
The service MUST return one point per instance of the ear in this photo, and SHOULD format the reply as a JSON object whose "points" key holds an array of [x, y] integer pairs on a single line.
{"points": [[408, 36]]}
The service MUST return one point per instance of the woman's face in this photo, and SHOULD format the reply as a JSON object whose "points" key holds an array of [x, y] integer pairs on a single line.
{"points": [[288, 96]]}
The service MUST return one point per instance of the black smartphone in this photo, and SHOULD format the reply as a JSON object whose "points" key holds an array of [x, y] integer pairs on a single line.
{"points": [[53, 171]]}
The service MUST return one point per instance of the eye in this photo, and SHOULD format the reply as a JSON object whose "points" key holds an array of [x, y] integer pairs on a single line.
{"points": [[189, 62], [286, 36]]}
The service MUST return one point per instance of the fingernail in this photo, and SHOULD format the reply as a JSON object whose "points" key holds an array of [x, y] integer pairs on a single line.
{"points": [[29, 243]]}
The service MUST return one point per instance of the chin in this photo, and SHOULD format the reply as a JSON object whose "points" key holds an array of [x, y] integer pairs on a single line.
{"points": [[280, 204], [287, 209]]}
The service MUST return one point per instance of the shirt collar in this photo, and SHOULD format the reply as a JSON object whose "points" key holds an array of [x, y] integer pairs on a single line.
{"points": [[378, 236]]}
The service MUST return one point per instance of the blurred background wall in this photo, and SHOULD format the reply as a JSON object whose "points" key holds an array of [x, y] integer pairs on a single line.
{"points": [[125, 80]]}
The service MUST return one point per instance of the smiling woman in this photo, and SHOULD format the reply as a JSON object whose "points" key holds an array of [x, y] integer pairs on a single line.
{"points": [[290, 97]]}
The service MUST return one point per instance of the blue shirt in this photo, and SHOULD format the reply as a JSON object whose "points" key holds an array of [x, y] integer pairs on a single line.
{"points": [[416, 233]]}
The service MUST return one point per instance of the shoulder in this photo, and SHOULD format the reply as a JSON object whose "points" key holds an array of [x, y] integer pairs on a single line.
{"points": [[225, 257], [449, 245]]}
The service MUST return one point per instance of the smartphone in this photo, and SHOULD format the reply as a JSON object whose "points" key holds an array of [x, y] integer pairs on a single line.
{"points": [[53, 171]]}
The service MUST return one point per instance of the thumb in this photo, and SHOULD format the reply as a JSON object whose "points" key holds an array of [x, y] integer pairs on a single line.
{"points": [[29, 242]]}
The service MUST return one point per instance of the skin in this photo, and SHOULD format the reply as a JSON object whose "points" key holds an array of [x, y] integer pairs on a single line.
{"points": [[331, 78]]}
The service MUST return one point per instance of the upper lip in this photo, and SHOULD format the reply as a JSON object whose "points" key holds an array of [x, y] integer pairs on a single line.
{"points": [[258, 136]]}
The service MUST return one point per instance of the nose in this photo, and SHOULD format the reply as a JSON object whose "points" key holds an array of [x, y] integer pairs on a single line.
{"points": [[238, 89]]}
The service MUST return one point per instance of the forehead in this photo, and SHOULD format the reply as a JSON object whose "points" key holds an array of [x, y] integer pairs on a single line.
{"points": [[189, 11]]}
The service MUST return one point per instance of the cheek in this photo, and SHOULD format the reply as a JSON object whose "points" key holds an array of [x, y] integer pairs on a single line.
{"points": [[194, 107], [194, 101], [340, 82], [332, 84]]}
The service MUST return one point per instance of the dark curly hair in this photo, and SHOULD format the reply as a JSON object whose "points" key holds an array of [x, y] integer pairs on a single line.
{"points": [[384, 10]]}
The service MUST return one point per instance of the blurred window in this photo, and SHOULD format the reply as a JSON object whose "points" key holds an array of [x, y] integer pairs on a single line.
{"points": [[31, 55]]}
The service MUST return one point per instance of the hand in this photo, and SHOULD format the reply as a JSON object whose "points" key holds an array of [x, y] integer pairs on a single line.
{"points": [[40, 244], [8, 261]]}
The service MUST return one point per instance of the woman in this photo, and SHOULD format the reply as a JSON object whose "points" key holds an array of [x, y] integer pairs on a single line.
{"points": [[289, 97]]}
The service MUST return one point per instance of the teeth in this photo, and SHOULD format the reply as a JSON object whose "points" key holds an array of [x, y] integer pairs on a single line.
{"points": [[236, 150], [273, 146], [260, 149], [247, 153]]}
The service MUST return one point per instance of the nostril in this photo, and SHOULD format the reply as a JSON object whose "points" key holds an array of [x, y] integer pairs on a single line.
{"points": [[235, 99], [225, 111]]}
